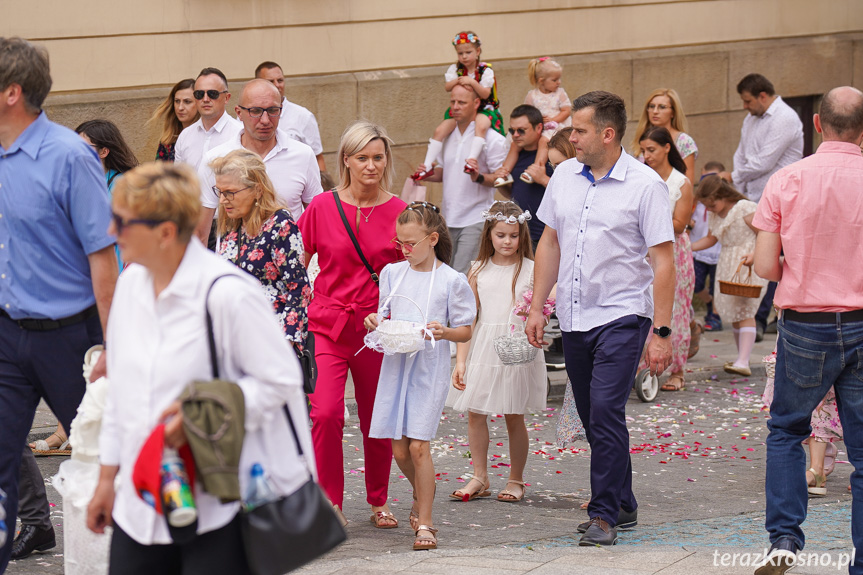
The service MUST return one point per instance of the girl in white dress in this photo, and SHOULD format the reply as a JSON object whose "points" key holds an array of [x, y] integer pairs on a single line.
{"points": [[482, 384], [730, 223], [412, 387]]}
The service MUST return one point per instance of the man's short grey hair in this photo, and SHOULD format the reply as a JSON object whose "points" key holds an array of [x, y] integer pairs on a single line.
{"points": [[842, 117], [27, 65]]}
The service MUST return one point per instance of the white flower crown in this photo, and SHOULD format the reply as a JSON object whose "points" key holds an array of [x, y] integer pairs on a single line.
{"points": [[520, 219]]}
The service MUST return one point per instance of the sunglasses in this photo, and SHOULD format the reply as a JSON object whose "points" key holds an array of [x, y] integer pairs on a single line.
{"points": [[228, 195], [211, 94], [255, 112], [519, 131], [406, 246], [121, 224]]}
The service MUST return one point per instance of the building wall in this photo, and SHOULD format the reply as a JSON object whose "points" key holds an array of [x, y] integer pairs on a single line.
{"points": [[384, 60]]}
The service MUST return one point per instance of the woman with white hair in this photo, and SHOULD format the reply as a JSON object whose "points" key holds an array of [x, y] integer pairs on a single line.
{"points": [[351, 230]]}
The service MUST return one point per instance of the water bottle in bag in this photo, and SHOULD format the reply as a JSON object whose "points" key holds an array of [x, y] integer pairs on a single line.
{"points": [[260, 489]]}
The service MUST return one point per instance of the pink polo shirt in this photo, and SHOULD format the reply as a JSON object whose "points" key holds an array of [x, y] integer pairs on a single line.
{"points": [[816, 207]]}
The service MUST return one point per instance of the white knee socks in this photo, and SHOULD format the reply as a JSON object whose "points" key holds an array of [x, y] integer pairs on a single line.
{"points": [[432, 153], [744, 347], [736, 337], [476, 147]]}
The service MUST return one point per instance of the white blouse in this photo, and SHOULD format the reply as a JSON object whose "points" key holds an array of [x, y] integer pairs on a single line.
{"points": [[157, 345]]}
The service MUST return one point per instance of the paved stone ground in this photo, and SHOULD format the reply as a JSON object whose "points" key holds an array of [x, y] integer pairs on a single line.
{"points": [[698, 464]]}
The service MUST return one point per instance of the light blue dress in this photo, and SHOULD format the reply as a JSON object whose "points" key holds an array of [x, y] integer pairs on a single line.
{"points": [[412, 388]]}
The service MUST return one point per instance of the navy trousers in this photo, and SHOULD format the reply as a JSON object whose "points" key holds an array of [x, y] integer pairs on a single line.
{"points": [[36, 364], [601, 364]]}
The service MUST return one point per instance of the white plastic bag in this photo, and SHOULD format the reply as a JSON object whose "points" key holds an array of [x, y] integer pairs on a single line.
{"points": [[85, 552]]}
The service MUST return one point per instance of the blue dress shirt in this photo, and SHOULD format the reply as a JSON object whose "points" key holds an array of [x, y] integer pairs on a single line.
{"points": [[54, 211], [604, 228]]}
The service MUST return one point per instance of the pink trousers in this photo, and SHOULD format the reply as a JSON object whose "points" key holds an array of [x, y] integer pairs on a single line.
{"points": [[334, 358]]}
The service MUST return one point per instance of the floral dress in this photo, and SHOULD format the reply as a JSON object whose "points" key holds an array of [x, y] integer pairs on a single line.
{"points": [[275, 258], [165, 153]]}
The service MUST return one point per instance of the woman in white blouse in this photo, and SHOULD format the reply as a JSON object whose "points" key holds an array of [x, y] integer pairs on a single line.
{"points": [[156, 345]]}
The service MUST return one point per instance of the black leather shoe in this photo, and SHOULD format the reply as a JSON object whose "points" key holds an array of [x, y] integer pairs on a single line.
{"points": [[32, 538], [599, 533], [625, 520], [781, 558]]}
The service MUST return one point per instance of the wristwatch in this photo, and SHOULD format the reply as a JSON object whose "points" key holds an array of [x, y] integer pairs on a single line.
{"points": [[480, 179], [663, 331]]}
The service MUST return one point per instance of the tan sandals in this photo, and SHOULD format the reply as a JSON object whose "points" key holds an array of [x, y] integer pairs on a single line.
{"points": [[380, 519], [507, 495], [44, 447], [425, 542], [464, 495]]}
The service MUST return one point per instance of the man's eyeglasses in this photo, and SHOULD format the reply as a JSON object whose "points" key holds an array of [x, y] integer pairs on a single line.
{"points": [[256, 112], [121, 224], [658, 107], [227, 194], [211, 94], [406, 246], [519, 131]]}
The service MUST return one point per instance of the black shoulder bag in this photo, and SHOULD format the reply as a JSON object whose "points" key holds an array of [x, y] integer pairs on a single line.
{"points": [[366, 263]]}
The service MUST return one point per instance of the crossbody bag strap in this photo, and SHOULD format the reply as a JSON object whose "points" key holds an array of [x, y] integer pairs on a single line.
{"points": [[366, 263], [211, 338]]}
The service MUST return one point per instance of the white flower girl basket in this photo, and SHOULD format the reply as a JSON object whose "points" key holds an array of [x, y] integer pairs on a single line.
{"points": [[513, 348], [394, 336]]}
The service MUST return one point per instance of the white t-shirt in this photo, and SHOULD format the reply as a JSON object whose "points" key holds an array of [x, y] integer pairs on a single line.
{"points": [[195, 141], [463, 199], [300, 124], [291, 165]]}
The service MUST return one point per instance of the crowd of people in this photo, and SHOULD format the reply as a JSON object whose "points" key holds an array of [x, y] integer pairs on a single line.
{"points": [[621, 240]]}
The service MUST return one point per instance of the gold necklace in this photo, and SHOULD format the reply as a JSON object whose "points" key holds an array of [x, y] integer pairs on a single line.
{"points": [[366, 217]]}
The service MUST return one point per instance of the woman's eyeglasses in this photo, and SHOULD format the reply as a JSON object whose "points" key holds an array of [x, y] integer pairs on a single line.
{"points": [[407, 246], [228, 195], [211, 94], [121, 224]]}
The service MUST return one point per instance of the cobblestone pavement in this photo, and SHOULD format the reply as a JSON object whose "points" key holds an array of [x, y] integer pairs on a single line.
{"points": [[698, 465]]}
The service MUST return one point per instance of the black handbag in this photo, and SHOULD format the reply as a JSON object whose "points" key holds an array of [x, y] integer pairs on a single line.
{"points": [[287, 533], [354, 241], [307, 362]]}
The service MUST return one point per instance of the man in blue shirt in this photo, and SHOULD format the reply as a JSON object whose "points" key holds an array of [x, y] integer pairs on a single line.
{"points": [[604, 212], [525, 126], [57, 268]]}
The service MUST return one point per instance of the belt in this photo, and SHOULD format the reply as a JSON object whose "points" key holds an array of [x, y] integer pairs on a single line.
{"points": [[52, 324], [823, 316]]}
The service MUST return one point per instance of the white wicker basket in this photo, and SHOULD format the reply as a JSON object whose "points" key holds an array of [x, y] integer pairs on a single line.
{"points": [[513, 348], [394, 336]]}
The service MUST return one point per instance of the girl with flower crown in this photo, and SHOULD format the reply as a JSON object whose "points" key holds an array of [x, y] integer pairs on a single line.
{"points": [[477, 75], [482, 384]]}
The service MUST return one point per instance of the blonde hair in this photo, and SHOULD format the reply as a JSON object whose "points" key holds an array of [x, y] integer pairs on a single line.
{"points": [[163, 192], [250, 171], [356, 137], [167, 117], [539, 68], [560, 142], [678, 118], [486, 247]]}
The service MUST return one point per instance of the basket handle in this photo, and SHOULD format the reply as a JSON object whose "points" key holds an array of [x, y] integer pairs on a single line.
{"points": [[389, 297], [736, 277]]}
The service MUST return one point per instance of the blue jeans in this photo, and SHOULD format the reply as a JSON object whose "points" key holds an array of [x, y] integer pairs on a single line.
{"points": [[810, 359]]}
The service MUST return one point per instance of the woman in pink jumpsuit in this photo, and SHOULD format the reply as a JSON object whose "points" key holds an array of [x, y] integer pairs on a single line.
{"points": [[344, 294]]}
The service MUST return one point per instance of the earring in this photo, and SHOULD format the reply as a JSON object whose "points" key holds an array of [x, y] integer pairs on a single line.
{"points": [[256, 203]]}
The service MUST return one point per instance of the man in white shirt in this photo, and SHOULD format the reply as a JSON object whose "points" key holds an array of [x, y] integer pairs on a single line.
{"points": [[770, 139], [214, 127], [604, 211], [298, 122], [465, 195], [290, 164]]}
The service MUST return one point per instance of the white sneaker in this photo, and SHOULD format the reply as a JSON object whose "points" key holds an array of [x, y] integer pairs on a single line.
{"points": [[781, 558], [500, 182]]}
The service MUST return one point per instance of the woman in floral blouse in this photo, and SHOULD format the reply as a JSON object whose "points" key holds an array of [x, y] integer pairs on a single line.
{"points": [[260, 236]]}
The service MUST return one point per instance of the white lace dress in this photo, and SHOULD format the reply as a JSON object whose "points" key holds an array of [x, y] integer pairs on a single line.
{"points": [[491, 386]]}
